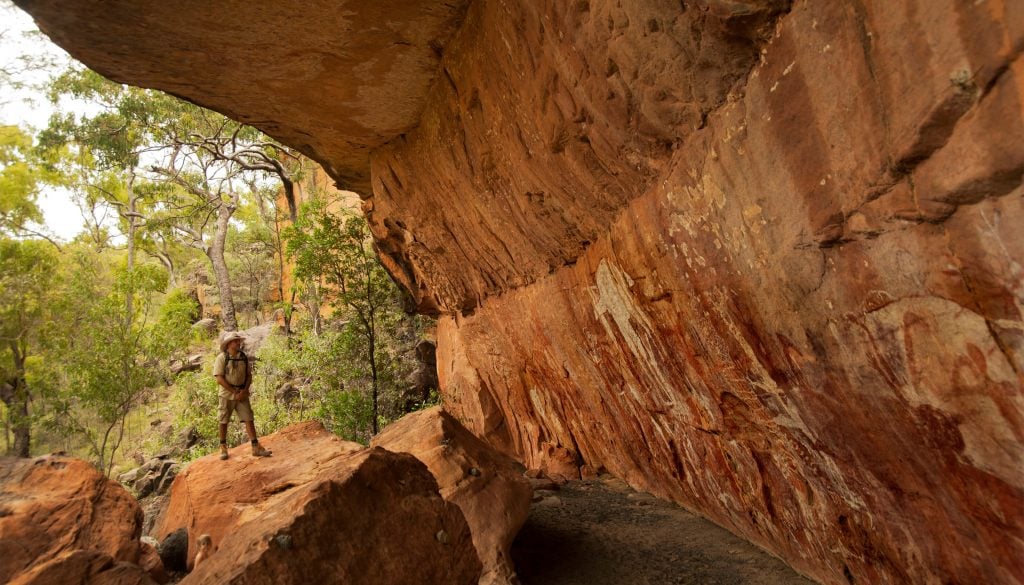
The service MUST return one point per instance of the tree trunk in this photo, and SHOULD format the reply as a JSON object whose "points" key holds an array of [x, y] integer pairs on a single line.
{"points": [[168, 263], [15, 395], [280, 253], [289, 196], [130, 296], [220, 268], [21, 424], [372, 338]]}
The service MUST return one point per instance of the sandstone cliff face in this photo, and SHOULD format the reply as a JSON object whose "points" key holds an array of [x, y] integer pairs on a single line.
{"points": [[760, 258]]}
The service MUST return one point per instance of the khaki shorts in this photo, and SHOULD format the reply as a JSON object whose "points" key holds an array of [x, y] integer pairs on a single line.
{"points": [[227, 406]]}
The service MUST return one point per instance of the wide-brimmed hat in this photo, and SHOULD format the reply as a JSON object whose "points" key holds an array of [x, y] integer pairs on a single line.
{"points": [[228, 337]]}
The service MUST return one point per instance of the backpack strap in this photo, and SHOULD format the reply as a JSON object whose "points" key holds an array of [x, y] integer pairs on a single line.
{"points": [[244, 357]]}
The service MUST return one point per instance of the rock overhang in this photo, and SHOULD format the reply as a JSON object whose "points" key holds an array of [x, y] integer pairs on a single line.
{"points": [[332, 79], [760, 262]]}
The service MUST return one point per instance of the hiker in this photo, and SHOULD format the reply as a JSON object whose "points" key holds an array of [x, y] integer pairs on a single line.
{"points": [[234, 375]]}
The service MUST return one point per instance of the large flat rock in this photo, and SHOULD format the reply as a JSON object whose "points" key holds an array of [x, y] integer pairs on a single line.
{"points": [[486, 485], [320, 510]]}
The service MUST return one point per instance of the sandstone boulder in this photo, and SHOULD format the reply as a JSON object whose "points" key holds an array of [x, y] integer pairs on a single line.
{"points": [[63, 513], [173, 550], [191, 363], [320, 510], [255, 337], [152, 509], [558, 463], [207, 326], [151, 563], [152, 477], [487, 486], [83, 567], [289, 392]]}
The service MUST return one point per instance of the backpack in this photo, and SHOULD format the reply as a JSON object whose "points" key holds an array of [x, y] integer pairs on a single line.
{"points": [[242, 358]]}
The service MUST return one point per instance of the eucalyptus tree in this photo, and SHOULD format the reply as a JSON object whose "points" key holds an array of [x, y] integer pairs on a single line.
{"points": [[333, 255], [21, 177], [27, 282], [203, 163]]}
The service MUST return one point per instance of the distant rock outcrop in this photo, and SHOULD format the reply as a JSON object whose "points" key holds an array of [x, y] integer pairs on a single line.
{"points": [[208, 326], [487, 486], [191, 363], [320, 510], [153, 477], [61, 521]]}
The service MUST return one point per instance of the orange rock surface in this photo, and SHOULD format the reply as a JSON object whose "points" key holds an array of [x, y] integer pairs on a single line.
{"points": [[320, 510], [759, 257], [83, 567], [488, 487], [62, 513]]}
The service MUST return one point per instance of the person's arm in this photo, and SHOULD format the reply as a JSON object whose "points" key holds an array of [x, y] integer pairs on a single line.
{"points": [[219, 369], [224, 384], [243, 392]]}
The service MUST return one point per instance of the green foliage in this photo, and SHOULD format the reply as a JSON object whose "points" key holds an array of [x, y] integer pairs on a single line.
{"points": [[129, 119], [194, 401], [112, 355], [19, 181], [27, 277], [251, 259], [27, 274], [173, 327], [334, 260], [88, 331], [174, 172], [327, 381]]}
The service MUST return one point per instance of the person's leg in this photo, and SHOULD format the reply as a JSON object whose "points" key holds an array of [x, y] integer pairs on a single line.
{"points": [[245, 415], [224, 410]]}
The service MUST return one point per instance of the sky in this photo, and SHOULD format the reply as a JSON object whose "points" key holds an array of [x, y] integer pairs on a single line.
{"points": [[31, 110]]}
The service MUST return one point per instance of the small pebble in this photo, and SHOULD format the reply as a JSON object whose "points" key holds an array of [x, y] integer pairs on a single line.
{"points": [[441, 537], [641, 498], [550, 501], [616, 484]]}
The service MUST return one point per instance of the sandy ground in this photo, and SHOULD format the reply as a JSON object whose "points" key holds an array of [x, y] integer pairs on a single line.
{"points": [[602, 533]]}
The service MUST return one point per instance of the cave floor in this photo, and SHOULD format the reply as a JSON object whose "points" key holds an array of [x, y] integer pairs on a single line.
{"points": [[602, 533]]}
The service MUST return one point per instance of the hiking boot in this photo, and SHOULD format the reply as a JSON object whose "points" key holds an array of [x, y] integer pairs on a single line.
{"points": [[223, 452], [259, 451]]}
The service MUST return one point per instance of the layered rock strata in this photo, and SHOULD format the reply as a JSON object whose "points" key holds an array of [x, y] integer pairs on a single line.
{"points": [[761, 258], [808, 328]]}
